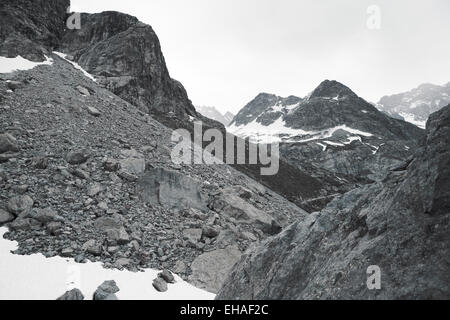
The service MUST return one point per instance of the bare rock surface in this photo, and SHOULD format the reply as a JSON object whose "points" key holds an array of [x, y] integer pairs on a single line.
{"points": [[401, 225]]}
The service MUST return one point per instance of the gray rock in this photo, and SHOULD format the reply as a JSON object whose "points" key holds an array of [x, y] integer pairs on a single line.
{"points": [[40, 163], [77, 157], [107, 291], [111, 165], [14, 85], [167, 276], [232, 205], [20, 205], [8, 143], [81, 174], [94, 189], [44, 216], [94, 112], [54, 228], [83, 91], [192, 235], [210, 269], [170, 189], [67, 252], [132, 166], [92, 247], [6, 217], [210, 232], [400, 225], [74, 294], [160, 285], [119, 236]]}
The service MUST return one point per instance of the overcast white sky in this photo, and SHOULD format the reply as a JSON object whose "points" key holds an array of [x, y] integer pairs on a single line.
{"points": [[225, 52]]}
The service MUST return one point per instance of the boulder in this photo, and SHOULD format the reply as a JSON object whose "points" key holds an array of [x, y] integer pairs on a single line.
{"points": [[231, 204], [160, 285], [92, 247], [397, 231], [77, 157], [93, 111], [167, 276], [192, 235], [83, 91], [20, 205], [40, 163], [74, 294], [8, 143], [210, 269], [107, 291], [170, 189], [44, 216]]}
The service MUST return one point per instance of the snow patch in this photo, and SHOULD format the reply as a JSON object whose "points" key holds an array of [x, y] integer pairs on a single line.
{"points": [[411, 118], [279, 132], [8, 65], [334, 144], [76, 65], [35, 277]]}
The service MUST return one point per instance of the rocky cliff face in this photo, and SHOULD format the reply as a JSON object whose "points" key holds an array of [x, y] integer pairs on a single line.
{"points": [[400, 225], [125, 56], [416, 105], [31, 28]]}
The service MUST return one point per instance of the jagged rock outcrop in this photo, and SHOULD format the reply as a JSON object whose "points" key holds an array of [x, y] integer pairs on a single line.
{"points": [[125, 56], [31, 29], [401, 225]]}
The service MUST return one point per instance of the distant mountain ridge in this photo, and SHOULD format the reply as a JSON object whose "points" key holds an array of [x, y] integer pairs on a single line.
{"points": [[213, 113], [417, 105], [332, 128]]}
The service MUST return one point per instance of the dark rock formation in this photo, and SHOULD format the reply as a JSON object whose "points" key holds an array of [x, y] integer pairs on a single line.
{"points": [[125, 56], [31, 28], [401, 225]]}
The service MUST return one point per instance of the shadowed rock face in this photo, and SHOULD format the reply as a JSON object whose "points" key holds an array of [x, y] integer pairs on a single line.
{"points": [[401, 225], [125, 56], [31, 28]]}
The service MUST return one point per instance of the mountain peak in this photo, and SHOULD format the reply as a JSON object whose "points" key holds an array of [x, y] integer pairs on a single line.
{"points": [[332, 89]]}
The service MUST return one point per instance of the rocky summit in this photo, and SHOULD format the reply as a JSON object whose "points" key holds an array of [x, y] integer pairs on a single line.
{"points": [[400, 225], [331, 129]]}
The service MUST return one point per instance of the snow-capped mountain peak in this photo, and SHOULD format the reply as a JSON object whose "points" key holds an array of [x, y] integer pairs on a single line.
{"points": [[415, 106]]}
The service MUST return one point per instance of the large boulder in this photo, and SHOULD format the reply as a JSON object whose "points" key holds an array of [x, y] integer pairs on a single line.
{"points": [[400, 227], [230, 203], [8, 143], [210, 269], [107, 291], [170, 189], [74, 295], [5, 217], [20, 205]]}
